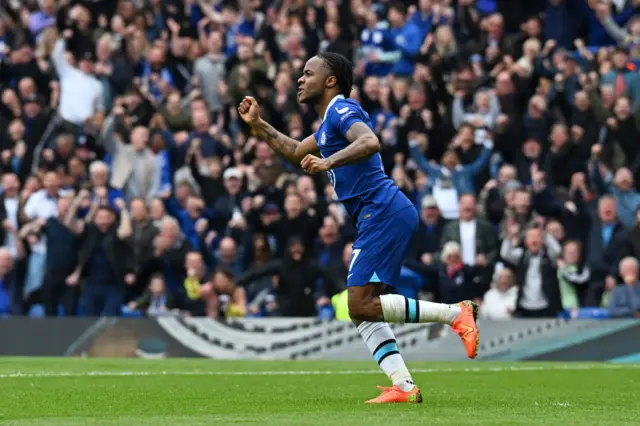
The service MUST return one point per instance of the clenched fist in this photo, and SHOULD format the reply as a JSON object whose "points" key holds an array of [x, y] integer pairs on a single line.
{"points": [[312, 164], [249, 110]]}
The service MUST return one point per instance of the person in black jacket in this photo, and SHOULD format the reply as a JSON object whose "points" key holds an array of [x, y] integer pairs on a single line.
{"points": [[300, 286], [535, 266], [105, 261], [427, 239], [630, 243]]}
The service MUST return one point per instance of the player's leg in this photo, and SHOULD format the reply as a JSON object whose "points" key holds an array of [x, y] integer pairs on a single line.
{"points": [[379, 253], [381, 341]]}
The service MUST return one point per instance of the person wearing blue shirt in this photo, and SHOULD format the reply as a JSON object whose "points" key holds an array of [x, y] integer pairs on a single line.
{"points": [[625, 298], [425, 18], [378, 47], [407, 37], [348, 151]]}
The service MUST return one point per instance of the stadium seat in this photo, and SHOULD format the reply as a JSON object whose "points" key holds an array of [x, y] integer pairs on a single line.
{"points": [[36, 311], [585, 313], [130, 313]]}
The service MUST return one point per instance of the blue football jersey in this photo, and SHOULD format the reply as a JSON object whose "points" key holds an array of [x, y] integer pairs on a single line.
{"points": [[363, 188]]}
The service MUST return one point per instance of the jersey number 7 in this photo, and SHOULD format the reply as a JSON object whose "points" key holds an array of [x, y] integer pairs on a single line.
{"points": [[354, 256]]}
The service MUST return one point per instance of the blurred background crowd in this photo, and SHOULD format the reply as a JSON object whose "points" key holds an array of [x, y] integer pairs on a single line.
{"points": [[131, 187]]}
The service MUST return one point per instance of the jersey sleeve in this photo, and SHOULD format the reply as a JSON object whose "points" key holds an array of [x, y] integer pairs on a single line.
{"points": [[345, 115]]}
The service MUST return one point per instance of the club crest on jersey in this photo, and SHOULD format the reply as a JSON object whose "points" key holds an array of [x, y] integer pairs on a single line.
{"points": [[323, 138]]}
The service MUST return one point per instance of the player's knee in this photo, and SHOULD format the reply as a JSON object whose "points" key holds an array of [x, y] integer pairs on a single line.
{"points": [[358, 310]]}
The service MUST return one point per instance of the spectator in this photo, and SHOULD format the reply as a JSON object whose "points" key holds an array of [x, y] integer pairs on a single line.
{"points": [[155, 301], [170, 250], [8, 284], [295, 289], [9, 206], [452, 179], [624, 81], [81, 94], [40, 206], [63, 240], [630, 245], [572, 276], [210, 71], [476, 236], [143, 232], [115, 102], [535, 266], [605, 235], [621, 187], [134, 165], [451, 279], [195, 293], [230, 299], [499, 303], [99, 177], [429, 234], [625, 299], [226, 256], [104, 260]]}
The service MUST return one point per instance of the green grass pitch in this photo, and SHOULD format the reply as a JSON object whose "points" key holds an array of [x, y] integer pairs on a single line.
{"points": [[74, 391]]}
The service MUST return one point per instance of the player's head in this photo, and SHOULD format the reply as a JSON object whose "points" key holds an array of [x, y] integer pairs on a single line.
{"points": [[325, 74]]}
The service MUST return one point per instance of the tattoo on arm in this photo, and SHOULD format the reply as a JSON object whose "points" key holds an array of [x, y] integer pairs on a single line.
{"points": [[283, 145], [363, 144]]}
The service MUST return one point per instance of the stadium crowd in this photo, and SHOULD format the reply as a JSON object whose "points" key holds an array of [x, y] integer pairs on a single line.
{"points": [[129, 183]]}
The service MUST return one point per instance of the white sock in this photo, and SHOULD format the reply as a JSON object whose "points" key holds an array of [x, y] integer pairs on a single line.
{"points": [[382, 343], [400, 309]]}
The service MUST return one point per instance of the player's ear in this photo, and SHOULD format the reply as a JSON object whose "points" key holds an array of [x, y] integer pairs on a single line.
{"points": [[331, 81]]}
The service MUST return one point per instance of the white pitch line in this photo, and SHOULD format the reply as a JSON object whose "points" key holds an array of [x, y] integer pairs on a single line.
{"points": [[566, 367]]}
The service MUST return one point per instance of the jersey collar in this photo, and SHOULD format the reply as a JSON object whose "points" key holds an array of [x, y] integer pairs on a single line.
{"points": [[333, 101]]}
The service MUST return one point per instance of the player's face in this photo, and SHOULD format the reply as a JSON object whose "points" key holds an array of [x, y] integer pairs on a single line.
{"points": [[312, 83]]}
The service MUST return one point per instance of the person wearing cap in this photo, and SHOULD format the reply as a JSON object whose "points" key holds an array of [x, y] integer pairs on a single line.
{"points": [[227, 205]]}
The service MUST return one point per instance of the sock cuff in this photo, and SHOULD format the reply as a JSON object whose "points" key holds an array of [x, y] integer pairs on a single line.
{"points": [[368, 329], [394, 308]]}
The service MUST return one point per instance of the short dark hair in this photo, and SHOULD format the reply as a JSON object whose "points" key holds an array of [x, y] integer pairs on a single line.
{"points": [[342, 68], [104, 208], [398, 7]]}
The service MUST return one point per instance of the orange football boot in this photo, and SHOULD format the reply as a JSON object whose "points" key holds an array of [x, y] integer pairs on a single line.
{"points": [[466, 327], [394, 395]]}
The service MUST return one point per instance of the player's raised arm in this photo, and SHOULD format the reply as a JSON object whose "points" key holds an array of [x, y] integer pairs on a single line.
{"points": [[288, 148]]}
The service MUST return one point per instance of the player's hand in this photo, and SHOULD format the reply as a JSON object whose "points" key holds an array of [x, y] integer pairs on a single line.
{"points": [[312, 164], [249, 110]]}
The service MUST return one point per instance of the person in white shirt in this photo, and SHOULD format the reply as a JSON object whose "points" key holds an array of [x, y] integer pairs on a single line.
{"points": [[499, 303], [9, 206], [81, 94], [40, 206]]}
